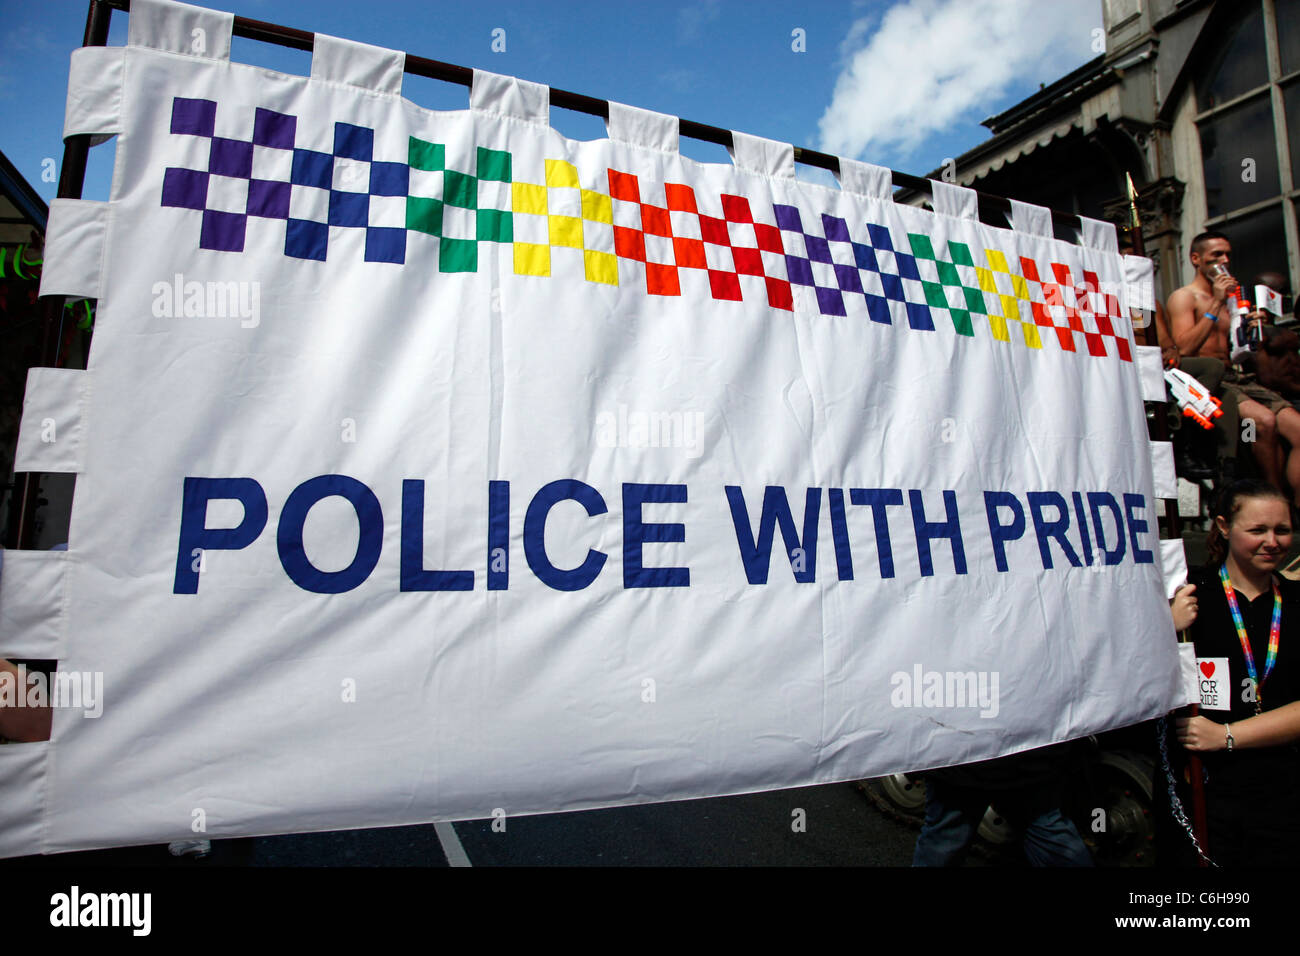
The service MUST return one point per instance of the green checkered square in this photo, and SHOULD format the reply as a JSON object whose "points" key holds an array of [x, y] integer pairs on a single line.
{"points": [[431, 157], [934, 296], [921, 247], [494, 165], [459, 189], [495, 225], [949, 277], [424, 215], [458, 255]]}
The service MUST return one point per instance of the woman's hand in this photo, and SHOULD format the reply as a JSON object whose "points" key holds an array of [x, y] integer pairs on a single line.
{"points": [[1201, 735], [1183, 607]]}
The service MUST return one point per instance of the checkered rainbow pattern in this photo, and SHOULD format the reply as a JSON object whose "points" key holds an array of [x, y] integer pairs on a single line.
{"points": [[477, 200]]}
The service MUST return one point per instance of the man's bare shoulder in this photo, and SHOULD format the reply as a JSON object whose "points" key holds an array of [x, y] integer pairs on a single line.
{"points": [[1182, 303]]}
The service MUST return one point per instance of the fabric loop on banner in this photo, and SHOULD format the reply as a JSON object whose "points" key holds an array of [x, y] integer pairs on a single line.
{"points": [[49, 437], [765, 156], [180, 28], [94, 103], [1030, 219], [1162, 469], [1173, 565], [22, 794], [865, 179], [357, 64], [956, 201], [1151, 373], [74, 248], [1096, 234], [1139, 283], [1191, 678], [32, 609], [628, 124], [499, 95]]}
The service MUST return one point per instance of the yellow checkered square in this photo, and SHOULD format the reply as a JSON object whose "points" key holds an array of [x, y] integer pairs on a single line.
{"points": [[561, 174], [566, 231], [999, 326], [600, 267], [985, 279], [597, 207], [530, 198], [532, 259]]}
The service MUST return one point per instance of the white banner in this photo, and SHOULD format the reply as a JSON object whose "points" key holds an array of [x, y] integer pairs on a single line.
{"points": [[433, 463]]}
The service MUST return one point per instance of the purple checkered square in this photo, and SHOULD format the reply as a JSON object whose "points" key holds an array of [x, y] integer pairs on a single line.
{"points": [[830, 301], [231, 157], [274, 129], [193, 117], [268, 200], [798, 270], [787, 217], [185, 188], [836, 230], [819, 250], [848, 278], [223, 231]]}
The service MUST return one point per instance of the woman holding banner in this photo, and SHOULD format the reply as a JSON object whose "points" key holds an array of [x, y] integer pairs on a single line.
{"points": [[1247, 637]]}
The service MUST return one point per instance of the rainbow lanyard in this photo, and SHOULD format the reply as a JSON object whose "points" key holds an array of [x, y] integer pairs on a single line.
{"points": [[1274, 632]]}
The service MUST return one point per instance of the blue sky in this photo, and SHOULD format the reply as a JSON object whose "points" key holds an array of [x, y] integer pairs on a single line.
{"points": [[902, 83]]}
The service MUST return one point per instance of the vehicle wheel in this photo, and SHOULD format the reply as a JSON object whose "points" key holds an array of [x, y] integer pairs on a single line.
{"points": [[1121, 789], [995, 830], [899, 795]]}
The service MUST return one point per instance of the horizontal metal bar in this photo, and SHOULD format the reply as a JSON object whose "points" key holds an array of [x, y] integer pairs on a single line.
{"points": [[581, 103]]}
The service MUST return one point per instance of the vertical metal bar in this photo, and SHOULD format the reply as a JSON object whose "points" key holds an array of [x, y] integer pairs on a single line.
{"points": [[1174, 528], [1285, 179], [72, 179]]}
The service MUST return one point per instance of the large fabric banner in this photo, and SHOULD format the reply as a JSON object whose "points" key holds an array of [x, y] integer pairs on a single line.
{"points": [[431, 464]]}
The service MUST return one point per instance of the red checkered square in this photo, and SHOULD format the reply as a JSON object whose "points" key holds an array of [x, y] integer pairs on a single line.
{"points": [[725, 285], [714, 230], [748, 261], [624, 186], [629, 243], [689, 253], [736, 209], [779, 295], [661, 279], [655, 221], [769, 238], [680, 198]]}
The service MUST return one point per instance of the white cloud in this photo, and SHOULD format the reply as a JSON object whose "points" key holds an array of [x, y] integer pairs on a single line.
{"points": [[929, 63], [694, 20]]}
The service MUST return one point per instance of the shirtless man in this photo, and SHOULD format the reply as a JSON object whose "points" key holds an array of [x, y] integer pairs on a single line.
{"points": [[1199, 320]]}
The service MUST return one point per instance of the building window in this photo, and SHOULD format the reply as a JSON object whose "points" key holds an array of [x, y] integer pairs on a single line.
{"points": [[1239, 156], [1248, 95]]}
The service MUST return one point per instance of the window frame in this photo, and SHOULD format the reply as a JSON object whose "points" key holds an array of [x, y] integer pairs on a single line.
{"points": [[1288, 197]]}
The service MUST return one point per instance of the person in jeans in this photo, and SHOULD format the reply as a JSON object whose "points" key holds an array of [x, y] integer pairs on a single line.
{"points": [[1026, 788]]}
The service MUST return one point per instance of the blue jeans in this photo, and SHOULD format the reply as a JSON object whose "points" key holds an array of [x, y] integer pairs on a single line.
{"points": [[952, 815]]}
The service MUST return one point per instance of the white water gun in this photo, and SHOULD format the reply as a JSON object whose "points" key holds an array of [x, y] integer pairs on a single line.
{"points": [[1193, 398]]}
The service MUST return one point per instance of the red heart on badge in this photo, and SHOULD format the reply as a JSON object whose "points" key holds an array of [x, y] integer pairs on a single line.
{"points": [[1207, 668]]}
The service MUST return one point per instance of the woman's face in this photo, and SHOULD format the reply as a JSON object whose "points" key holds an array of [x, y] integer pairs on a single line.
{"points": [[1260, 534]]}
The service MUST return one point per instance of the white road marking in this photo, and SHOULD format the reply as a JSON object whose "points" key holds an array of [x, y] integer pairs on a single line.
{"points": [[451, 848]]}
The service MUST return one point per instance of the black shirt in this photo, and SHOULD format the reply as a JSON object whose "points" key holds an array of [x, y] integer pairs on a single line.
{"points": [[1215, 635]]}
